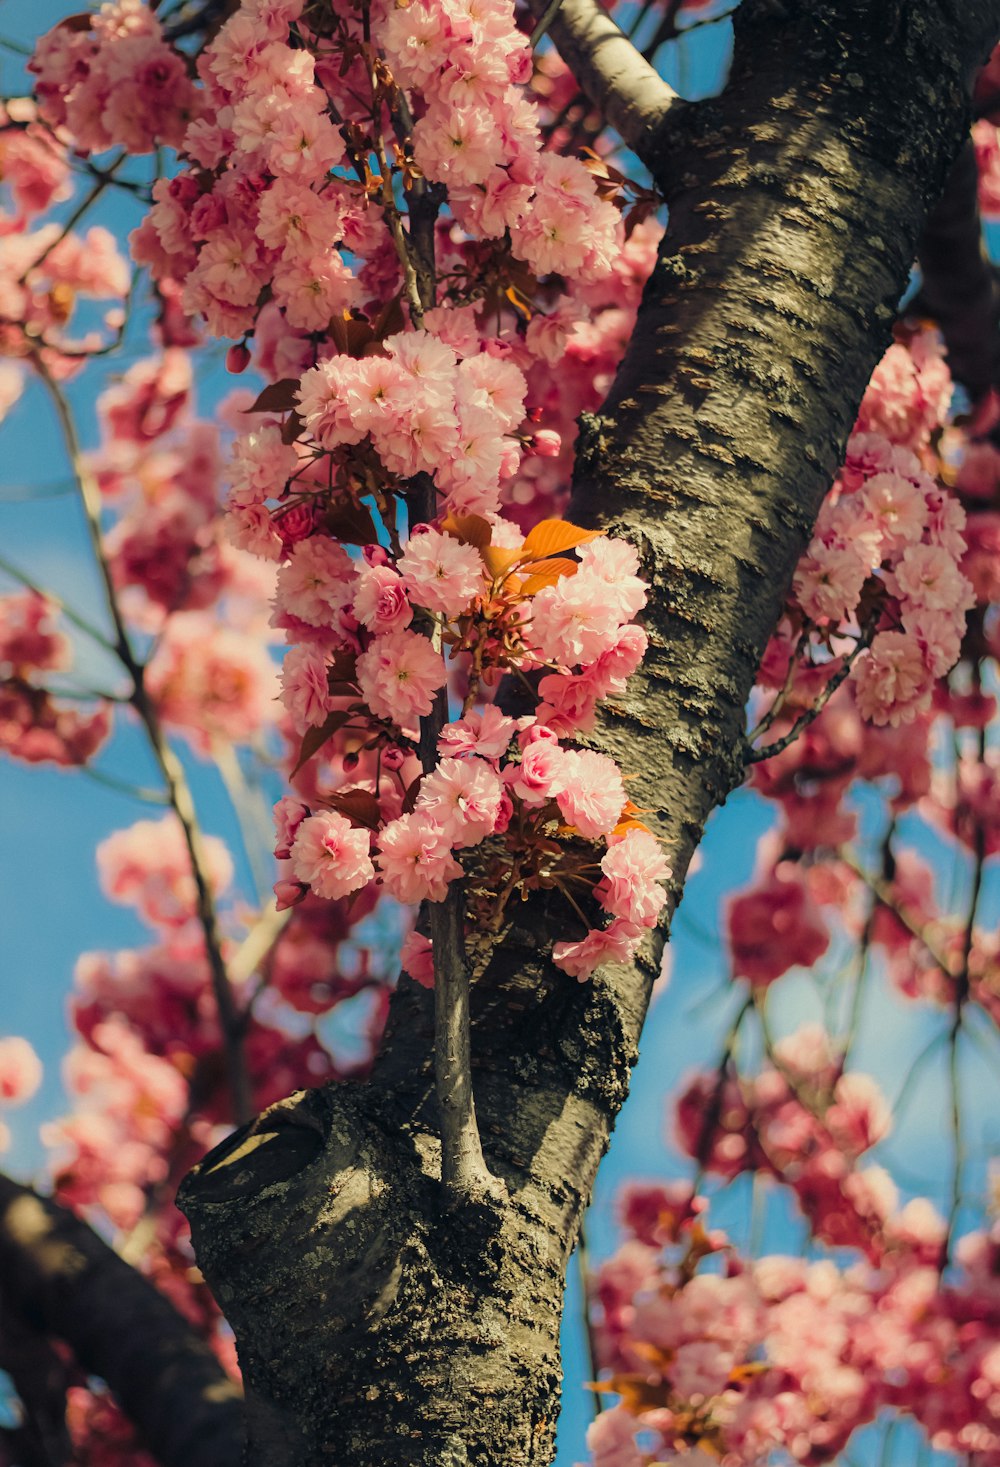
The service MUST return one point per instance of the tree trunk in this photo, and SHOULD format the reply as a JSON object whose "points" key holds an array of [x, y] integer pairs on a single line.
{"points": [[375, 1328]]}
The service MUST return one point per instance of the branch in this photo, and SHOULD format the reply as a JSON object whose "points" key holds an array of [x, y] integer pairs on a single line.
{"points": [[58, 1276], [612, 72], [961, 285]]}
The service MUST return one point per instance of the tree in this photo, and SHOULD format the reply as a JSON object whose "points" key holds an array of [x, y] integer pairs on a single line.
{"points": [[395, 1290]]}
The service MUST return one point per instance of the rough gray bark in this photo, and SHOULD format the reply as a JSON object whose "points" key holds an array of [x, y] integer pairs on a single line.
{"points": [[374, 1326], [58, 1280]]}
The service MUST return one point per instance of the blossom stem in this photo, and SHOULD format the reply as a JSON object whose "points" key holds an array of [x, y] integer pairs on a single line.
{"points": [[170, 767]]}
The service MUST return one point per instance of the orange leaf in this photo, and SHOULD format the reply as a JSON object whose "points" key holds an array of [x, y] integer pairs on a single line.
{"points": [[551, 537], [624, 826], [471, 529], [497, 560], [546, 573]]}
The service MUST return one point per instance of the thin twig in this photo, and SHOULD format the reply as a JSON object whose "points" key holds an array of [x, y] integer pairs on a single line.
{"points": [[768, 751], [583, 1268], [171, 769], [77, 620], [549, 15]]}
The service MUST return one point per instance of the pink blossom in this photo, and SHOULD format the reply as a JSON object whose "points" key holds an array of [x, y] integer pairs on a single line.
{"points": [[775, 926], [305, 687], [634, 869], [381, 602], [614, 944], [148, 866], [399, 675], [891, 683], [20, 1071], [538, 776], [440, 572], [414, 859], [589, 792], [318, 582], [417, 958], [329, 855], [289, 814], [487, 733], [463, 796]]}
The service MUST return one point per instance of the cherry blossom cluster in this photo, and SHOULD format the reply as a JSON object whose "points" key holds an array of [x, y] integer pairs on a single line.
{"points": [[47, 269], [34, 725], [711, 1352], [784, 1355], [366, 668], [112, 79], [888, 515]]}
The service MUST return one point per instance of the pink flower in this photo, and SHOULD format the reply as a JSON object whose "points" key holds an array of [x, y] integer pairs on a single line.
{"points": [[615, 944], [20, 1071], [318, 582], [417, 958], [487, 733], [305, 688], [892, 684], [574, 621], [463, 796], [440, 572], [590, 793], [399, 675], [331, 856], [415, 860], [775, 926], [289, 814], [539, 774], [381, 602], [634, 868]]}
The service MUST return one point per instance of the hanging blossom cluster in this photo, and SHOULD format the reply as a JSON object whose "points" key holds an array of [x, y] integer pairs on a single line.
{"points": [[286, 229], [720, 1357], [888, 544]]}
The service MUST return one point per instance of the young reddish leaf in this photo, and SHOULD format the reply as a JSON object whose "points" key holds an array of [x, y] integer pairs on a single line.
{"points": [[471, 529], [277, 397], [343, 668], [546, 573], [291, 428], [389, 319], [360, 806], [551, 537], [351, 522], [410, 798], [314, 738]]}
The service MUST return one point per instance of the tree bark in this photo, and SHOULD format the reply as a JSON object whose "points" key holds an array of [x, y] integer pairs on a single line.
{"points": [[58, 1280], [375, 1327]]}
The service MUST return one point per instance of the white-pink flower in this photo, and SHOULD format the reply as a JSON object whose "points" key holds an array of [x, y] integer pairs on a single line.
{"points": [[20, 1070], [634, 867], [614, 944], [440, 572], [589, 791], [399, 675], [415, 859], [318, 582], [463, 796], [332, 857]]}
